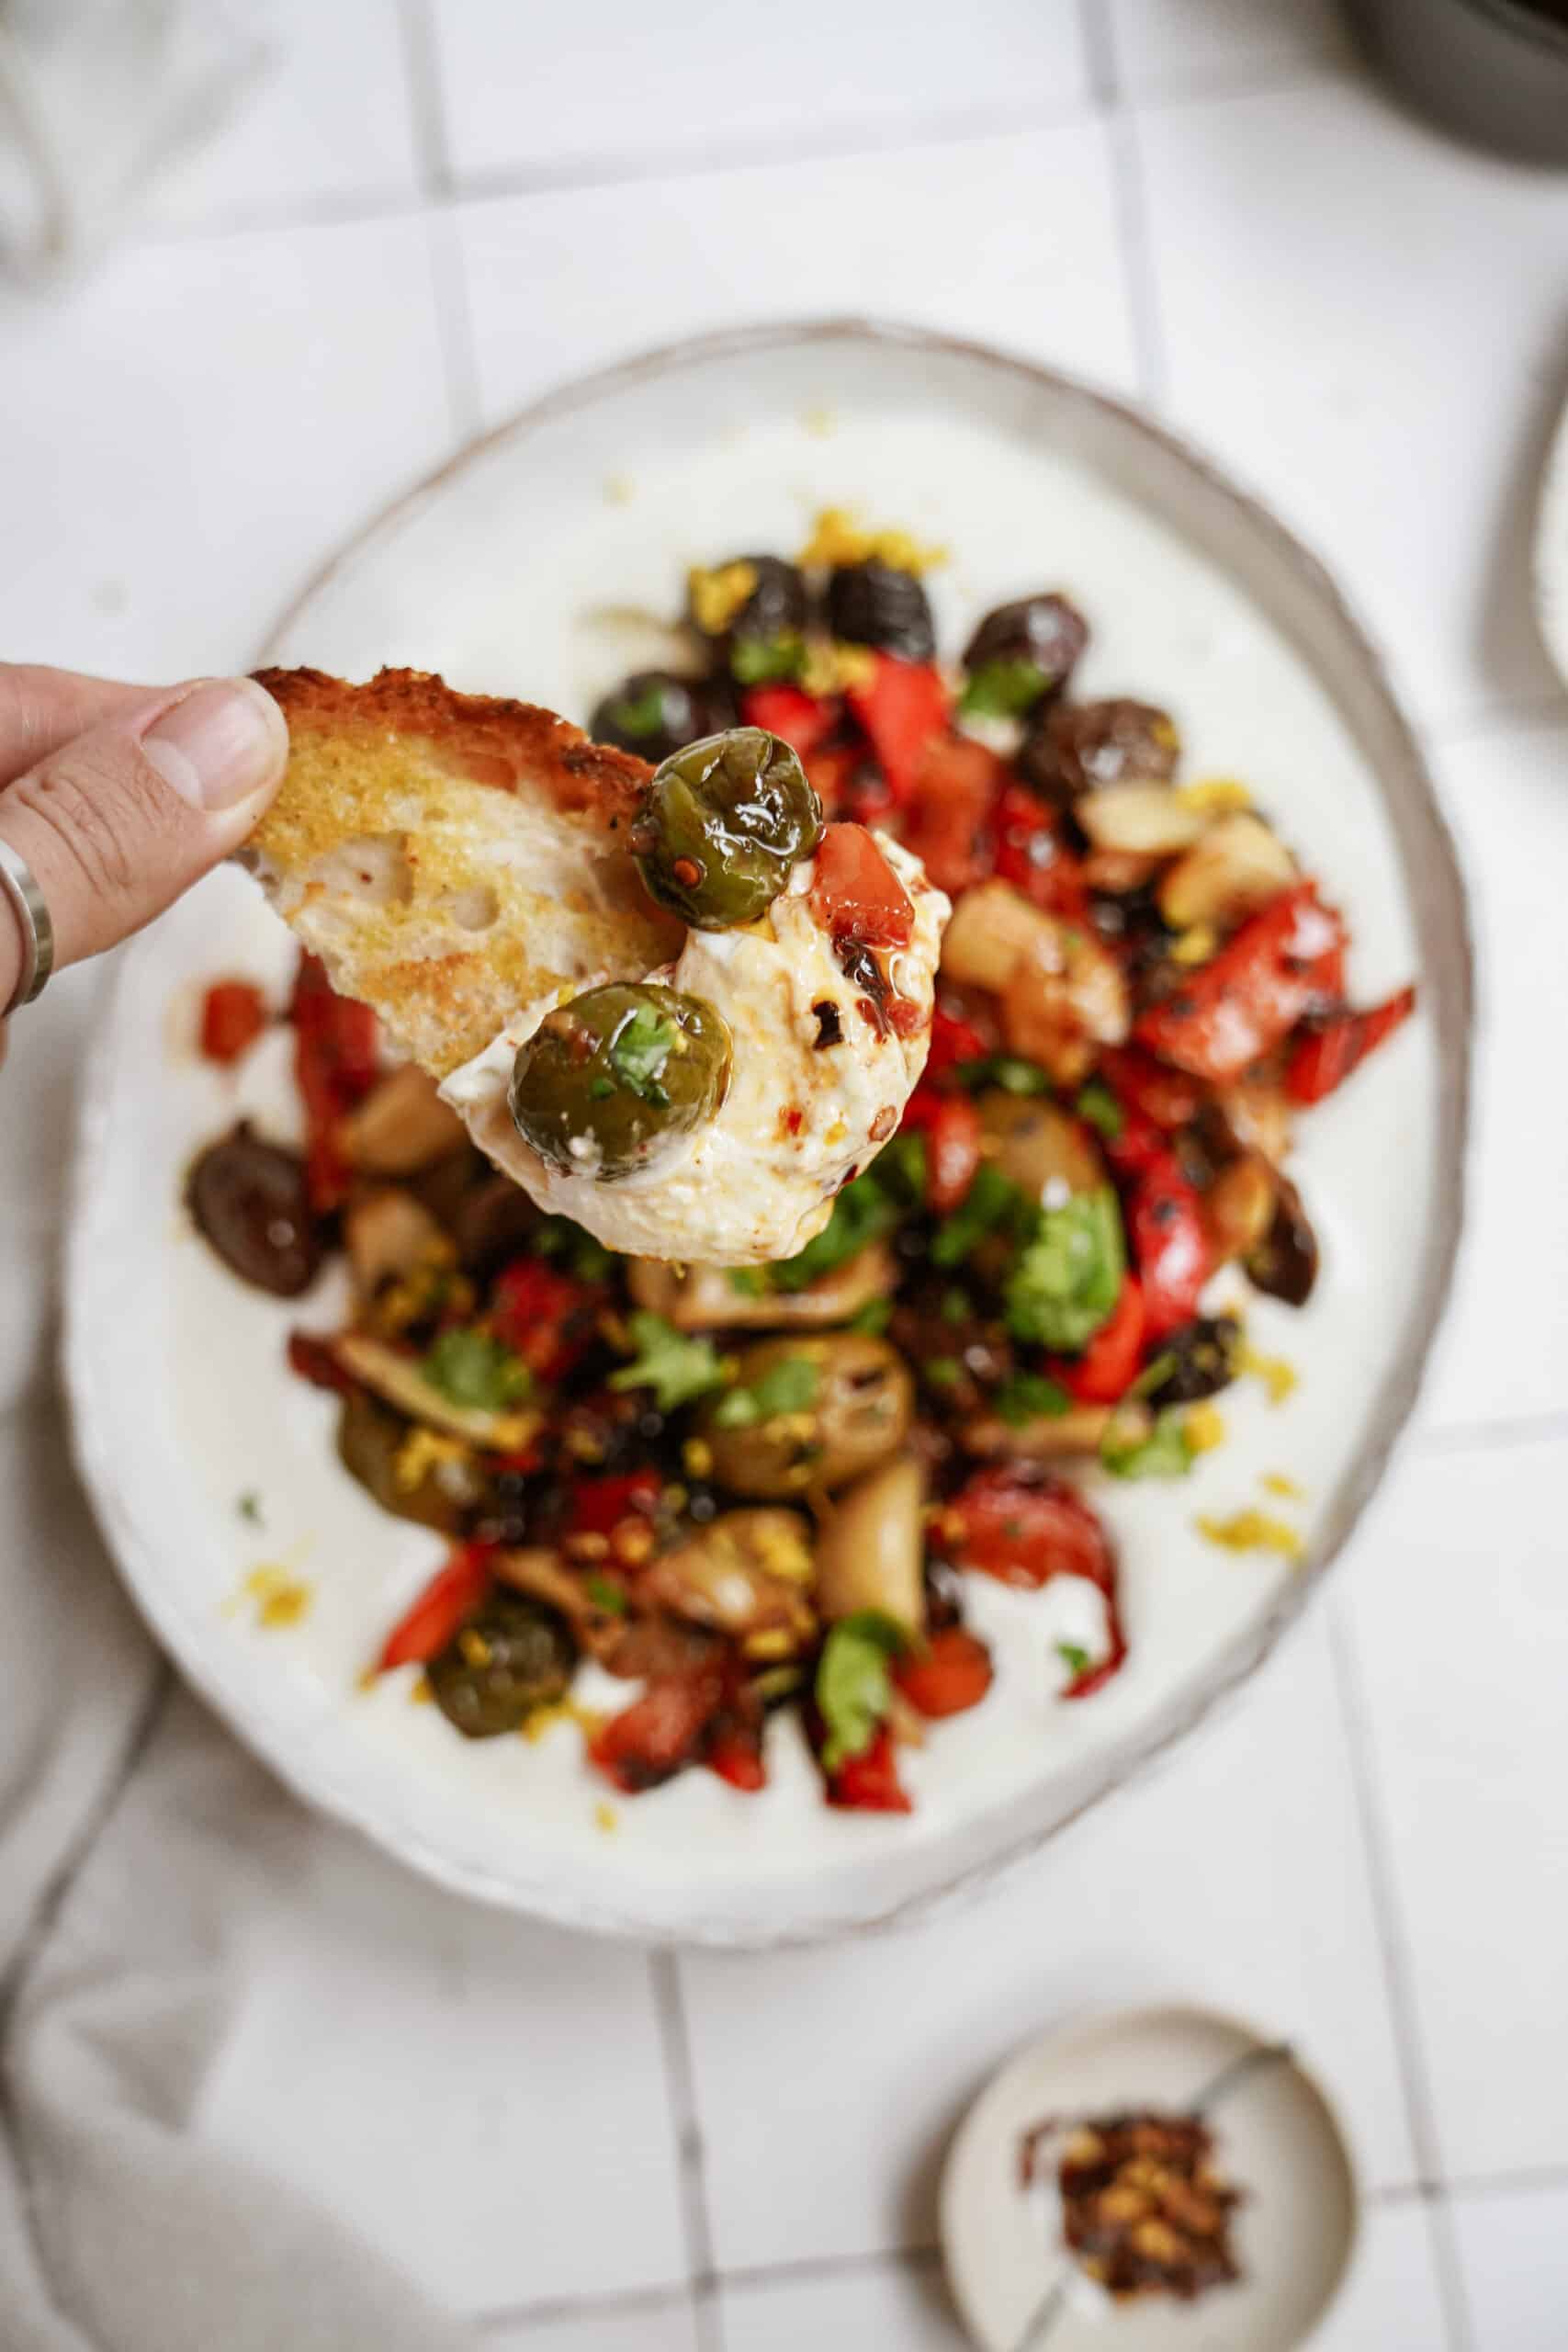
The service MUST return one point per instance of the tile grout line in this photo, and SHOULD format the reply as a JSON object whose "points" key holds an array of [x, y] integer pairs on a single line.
{"points": [[454, 317], [1481, 1437], [746, 2275], [1399, 1978], [1130, 197], [680, 2080]]}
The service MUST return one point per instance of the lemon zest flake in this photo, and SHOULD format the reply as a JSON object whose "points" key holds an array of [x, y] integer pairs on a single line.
{"points": [[420, 1452], [836, 537], [1204, 1428], [1195, 945], [281, 1597], [421, 1693], [620, 489], [1274, 1482], [1279, 1378], [606, 1818], [1215, 793], [716, 596], [1251, 1531], [820, 422]]}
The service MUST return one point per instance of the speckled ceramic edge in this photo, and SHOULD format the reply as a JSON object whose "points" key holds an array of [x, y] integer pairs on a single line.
{"points": [[1437, 904], [1549, 561]]}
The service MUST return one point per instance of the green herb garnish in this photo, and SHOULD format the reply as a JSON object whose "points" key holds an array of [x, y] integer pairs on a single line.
{"points": [[249, 1509], [955, 1306], [787, 1386], [1164, 1452], [1098, 1105], [989, 1202], [558, 1236], [862, 1212], [1029, 1397], [943, 1372], [604, 1595], [748, 1282], [673, 1364], [871, 1319], [638, 714], [1003, 689], [1009, 1071], [475, 1370], [1069, 1272], [854, 1690], [767, 661], [1077, 1661], [640, 1050]]}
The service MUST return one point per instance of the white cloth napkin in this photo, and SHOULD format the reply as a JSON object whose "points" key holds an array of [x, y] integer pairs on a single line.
{"points": [[129, 1904], [95, 98]]}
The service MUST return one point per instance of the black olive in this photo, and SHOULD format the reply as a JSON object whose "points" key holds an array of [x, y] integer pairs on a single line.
{"points": [[250, 1200], [1077, 746], [1048, 631], [654, 713], [512, 1657], [778, 604], [1206, 1357], [1284, 1264], [871, 604]]}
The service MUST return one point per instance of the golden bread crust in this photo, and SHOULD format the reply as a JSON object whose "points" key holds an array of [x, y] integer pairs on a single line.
{"points": [[452, 858]]}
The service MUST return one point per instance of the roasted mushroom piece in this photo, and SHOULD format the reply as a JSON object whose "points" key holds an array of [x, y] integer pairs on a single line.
{"points": [[1284, 1263]]}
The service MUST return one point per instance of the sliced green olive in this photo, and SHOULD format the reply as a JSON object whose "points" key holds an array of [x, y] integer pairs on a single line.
{"points": [[723, 824], [610, 1082], [512, 1657]]}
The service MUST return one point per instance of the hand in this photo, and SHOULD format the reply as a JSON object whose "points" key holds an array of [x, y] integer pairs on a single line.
{"points": [[120, 796]]}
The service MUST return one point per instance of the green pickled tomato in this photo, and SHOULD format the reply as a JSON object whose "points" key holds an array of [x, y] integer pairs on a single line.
{"points": [[514, 1656], [723, 822], [611, 1082]]}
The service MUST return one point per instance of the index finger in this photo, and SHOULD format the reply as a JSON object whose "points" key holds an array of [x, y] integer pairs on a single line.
{"points": [[42, 709]]}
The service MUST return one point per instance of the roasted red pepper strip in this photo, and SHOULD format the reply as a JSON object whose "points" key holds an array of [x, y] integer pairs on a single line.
{"points": [[652, 1738], [855, 893], [952, 1041], [1165, 1226], [802, 721], [1032, 856], [736, 1756], [543, 1316], [448, 1602], [950, 1125], [315, 1359], [903, 708], [830, 775], [1017, 1523], [1169, 1097], [952, 1674], [1329, 1050], [948, 827], [335, 1065], [868, 1783], [599, 1504], [1241, 1005], [1109, 1365], [233, 1014]]}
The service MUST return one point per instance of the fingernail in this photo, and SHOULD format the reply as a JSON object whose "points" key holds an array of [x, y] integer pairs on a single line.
{"points": [[227, 740]]}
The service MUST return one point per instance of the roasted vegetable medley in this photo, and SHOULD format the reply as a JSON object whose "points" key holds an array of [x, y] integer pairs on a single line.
{"points": [[766, 1489]]}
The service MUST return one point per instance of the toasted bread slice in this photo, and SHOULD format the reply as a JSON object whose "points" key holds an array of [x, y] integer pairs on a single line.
{"points": [[451, 857]]}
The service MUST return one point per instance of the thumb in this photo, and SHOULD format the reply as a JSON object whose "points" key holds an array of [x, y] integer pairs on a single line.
{"points": [[118, 823]]}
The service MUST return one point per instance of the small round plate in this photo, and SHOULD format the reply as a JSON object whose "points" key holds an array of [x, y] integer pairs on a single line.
{"points": [[1279, 2141]]}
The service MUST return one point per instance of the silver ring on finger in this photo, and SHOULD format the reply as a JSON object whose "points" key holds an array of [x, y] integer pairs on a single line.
{"points": [[18, 884]]}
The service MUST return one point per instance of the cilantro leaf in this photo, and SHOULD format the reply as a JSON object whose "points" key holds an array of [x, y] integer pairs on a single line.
{"points": [[1009, 1071], [854, 1690], [249, 1509], [605, 1594], [640, 1050], [1028, 1396], [1099, 1106], [638, 714], [787, 1386], [943, 1372], [873, 1317], [988, 1202], [1077, 1661], [557, 1237], [862, 1214], [1003, 689], [748, 1282], [1068, 1275], [1164, 1452], [674, 1365], [767, 661], [473, 1368]]}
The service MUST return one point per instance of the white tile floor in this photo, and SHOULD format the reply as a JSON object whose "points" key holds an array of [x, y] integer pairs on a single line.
{"points": [[440, 206]]}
